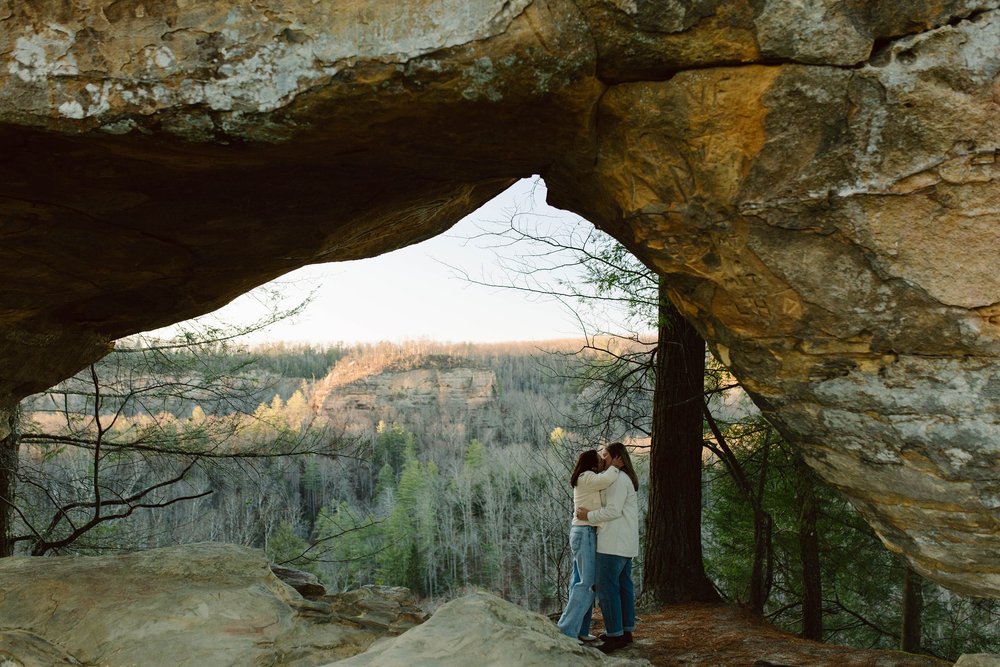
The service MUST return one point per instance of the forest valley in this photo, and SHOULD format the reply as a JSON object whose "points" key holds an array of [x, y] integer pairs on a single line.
{"points": [[444, 467]]}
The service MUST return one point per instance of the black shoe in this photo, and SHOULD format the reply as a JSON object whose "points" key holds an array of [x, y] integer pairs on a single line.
{"points": [[612, 644], [627, 637]]}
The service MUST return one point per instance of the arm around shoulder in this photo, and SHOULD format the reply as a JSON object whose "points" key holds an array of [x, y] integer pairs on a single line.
{"points": [[592, 481]]}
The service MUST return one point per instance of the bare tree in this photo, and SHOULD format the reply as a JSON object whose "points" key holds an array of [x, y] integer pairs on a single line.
{"points": [[108, 442]]}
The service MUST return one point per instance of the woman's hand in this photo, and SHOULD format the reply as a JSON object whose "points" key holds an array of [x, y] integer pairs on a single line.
{"points": [[581, 513]]}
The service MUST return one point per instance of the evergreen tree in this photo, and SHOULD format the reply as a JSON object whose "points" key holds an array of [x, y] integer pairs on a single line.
{"points": [[346, 545], [819, 541]]}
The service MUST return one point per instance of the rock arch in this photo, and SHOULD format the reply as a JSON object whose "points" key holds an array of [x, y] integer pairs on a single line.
{"points": [[819, 180]]}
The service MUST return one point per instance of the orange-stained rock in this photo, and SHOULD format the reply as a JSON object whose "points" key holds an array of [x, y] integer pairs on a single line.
{"points": [[819, 181], [833, 233]]}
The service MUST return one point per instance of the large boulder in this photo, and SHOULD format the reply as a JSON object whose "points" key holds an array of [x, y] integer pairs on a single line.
{"points": [[818, 180], [483, 629], [205, 604]]}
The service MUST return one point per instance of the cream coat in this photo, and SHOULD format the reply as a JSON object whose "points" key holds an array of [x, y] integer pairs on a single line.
{"points": [[617, 519], [587, 492]]}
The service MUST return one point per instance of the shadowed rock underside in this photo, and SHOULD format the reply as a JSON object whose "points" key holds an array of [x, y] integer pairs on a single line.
{"points": [[819, 181]]}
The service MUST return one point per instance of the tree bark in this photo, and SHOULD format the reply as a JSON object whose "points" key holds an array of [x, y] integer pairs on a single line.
{"points": [[762, 572], [913, 607], [674, 570], [8, 474], [812, 590]]}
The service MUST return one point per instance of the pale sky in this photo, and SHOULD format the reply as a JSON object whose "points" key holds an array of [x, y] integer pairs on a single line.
{"points": [[414, 293]]}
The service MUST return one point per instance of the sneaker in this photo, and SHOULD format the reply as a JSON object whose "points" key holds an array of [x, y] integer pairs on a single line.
{"points": [[587, 638]]}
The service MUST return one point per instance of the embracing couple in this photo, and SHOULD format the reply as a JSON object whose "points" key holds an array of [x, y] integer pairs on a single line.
{"points": [[604, 538]]}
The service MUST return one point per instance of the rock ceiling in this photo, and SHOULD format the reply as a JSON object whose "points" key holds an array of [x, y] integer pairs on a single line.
{"points": [[819, 181]]}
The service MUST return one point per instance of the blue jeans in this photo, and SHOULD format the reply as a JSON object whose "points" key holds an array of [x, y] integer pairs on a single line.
{"points": [[616, 593], [575, 619]]}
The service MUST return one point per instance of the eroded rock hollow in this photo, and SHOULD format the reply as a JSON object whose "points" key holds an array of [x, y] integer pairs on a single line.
{"points": [[819, 180]]}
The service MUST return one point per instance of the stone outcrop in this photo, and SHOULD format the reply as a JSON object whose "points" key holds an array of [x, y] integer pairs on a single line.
{"points": [[305, 583], [833, 233], [219, 605], [483, 629], [819, 181], [387, 610], [205, 604], [441, 388]]}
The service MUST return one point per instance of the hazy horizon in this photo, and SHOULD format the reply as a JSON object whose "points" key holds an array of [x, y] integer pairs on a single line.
{"points": [[417, 292]]}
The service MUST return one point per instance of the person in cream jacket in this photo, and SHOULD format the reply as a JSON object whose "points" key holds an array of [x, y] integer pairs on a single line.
{"points": [[617, 545], [590, 476]]}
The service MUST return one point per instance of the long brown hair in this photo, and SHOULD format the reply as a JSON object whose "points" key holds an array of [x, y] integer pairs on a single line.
{"points": [[618, 450], [588, 460]]}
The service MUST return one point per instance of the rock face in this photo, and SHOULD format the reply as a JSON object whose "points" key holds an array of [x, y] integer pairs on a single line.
{"points": [[833, 233], [819, 181], [482, 629], [387, 610], [206, 605], [441, 388]]}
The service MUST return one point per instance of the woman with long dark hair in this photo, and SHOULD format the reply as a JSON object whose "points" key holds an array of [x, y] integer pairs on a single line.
{"points": [[589, 478], [617, 545]]}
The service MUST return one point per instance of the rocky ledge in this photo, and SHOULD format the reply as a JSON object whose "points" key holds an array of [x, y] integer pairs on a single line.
{"points": [[221, 605]]}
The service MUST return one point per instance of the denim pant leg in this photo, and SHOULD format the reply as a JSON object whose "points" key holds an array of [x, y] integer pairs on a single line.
{"points": [[609, 569], [576, 579], [628, 597], [575, 619]]}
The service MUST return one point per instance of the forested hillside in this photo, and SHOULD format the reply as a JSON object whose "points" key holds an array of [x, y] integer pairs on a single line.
{"points": [[437, 467], [436, 493]]}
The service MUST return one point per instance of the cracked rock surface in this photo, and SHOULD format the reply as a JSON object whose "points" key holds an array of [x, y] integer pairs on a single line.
{"points": [[819, 180], [198, 604]]}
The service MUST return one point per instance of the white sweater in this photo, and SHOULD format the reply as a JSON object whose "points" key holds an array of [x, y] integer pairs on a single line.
{"points": [[587, 492], [618, 519]]}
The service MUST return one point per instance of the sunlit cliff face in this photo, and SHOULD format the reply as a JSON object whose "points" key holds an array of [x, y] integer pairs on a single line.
{"points": [[818, 182]]}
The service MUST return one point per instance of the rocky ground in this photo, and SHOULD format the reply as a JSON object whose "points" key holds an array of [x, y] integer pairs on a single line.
{"points": [[221, 605], [704, 635]]}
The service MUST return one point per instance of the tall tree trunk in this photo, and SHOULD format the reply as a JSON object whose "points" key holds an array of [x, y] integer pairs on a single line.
{"points": [[913, 608], [674, 570], [812, 590], [762, 572], [8, 473]]}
